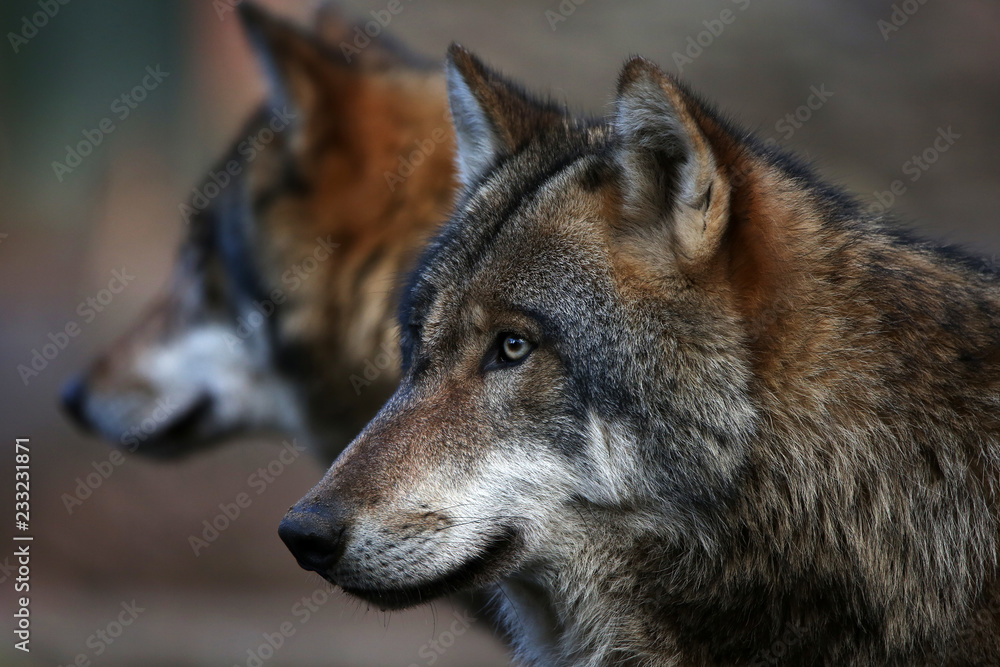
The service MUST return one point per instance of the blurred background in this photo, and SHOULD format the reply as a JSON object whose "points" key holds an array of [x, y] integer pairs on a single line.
{"points": [[859, 87]]}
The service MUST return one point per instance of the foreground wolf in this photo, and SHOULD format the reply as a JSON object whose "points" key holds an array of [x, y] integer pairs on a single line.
{"points": [[680, 402], [280, 315]]}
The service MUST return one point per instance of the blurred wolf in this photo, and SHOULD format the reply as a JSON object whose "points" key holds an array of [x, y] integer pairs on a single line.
{"points": [[280, 312], [680, 401]]}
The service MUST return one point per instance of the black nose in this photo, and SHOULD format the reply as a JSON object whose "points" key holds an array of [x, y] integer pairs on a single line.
{"points": [[74, 395], [314, 538]]}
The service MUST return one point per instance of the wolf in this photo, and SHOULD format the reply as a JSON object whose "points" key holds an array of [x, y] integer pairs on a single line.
{"points": [[677, 401], [280, 313]]}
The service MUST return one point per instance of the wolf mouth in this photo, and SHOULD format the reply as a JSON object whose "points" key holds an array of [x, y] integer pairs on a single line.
{"points": [[484, 568], [175, 436]]}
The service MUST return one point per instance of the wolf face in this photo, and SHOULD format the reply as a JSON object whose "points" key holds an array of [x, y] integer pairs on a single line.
{"points": [[652, 394], [531, 423], [279, 315]]}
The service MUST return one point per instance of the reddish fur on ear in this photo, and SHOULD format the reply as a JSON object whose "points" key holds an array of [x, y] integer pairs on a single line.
{"points": [[772, 227], [720, 226]]}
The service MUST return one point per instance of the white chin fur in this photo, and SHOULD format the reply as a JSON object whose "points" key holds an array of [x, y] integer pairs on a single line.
{"points": [[211, 362]]}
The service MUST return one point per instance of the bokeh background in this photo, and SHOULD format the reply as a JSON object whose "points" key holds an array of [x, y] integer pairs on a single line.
{"points": [[895, 85]]}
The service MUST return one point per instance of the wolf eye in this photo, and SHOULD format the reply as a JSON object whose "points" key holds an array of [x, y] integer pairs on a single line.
{"points": [[514, 348]]}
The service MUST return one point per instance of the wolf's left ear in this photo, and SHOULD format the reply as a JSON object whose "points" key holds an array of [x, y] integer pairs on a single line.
{"points": [[672, 176], [493, 117], [296, 67]]}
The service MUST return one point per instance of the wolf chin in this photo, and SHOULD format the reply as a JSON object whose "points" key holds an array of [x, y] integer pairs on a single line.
{"points": [[676, 400]]}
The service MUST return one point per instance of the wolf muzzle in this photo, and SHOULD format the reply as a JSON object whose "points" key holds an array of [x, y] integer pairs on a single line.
{"points": [[73, 396]]}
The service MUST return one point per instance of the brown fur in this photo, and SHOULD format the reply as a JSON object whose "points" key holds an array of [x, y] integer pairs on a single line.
{"points": [[755, 424]]}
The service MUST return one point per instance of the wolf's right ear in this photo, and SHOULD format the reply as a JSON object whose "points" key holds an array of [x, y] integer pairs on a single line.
{"points": [[493, 117], [674, 186]]}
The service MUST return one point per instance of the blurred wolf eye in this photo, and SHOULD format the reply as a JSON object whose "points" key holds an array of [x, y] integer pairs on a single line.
{"points": [[514, 348]]}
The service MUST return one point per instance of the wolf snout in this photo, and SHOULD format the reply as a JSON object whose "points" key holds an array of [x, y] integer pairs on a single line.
{"points": [[315, 537], [74, 396]]}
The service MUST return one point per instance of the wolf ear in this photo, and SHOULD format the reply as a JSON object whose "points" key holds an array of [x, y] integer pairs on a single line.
{"points": [[672, 179], [295, 66], [493, 117]]}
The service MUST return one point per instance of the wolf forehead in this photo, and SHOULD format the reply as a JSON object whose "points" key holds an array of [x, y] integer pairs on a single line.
{"points": [[523, 209]]}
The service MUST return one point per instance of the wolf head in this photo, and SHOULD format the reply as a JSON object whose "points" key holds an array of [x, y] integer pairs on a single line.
{"points": [[280, 312], [565, 370], [675, 396]]}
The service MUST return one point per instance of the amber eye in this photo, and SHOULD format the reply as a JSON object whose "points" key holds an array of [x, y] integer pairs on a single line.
{"points": [[514, 348]]}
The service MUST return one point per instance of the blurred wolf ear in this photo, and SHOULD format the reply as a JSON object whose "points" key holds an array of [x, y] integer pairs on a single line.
{"points": [[297, 68], [493, 117], [672, 179]]}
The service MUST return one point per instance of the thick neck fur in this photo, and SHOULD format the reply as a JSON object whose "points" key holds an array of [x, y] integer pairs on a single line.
{"points": [[870, 483]]}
